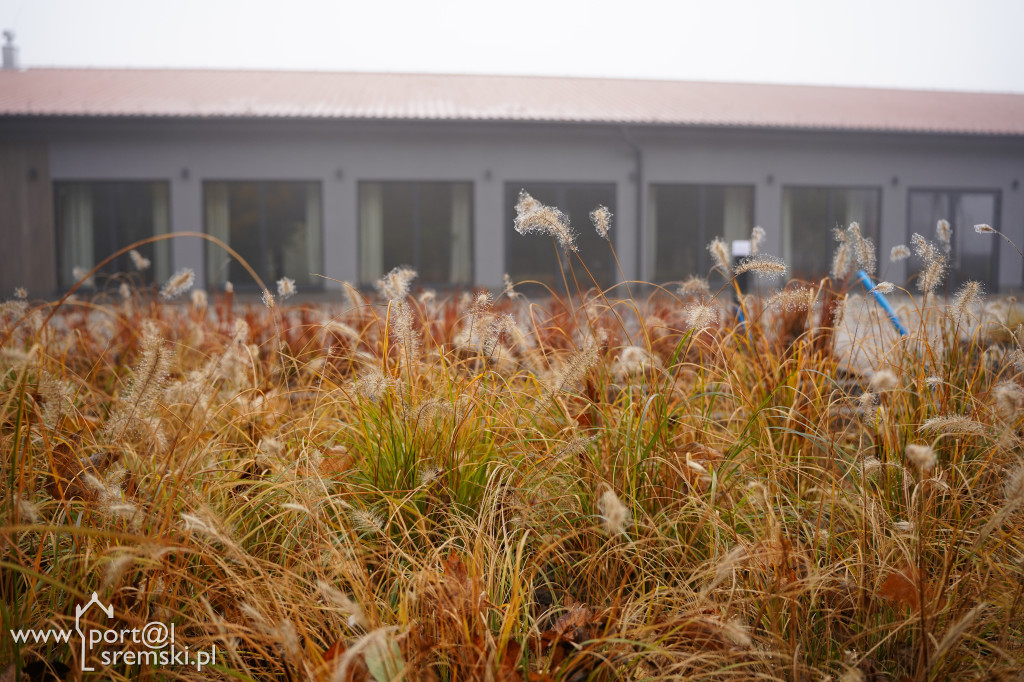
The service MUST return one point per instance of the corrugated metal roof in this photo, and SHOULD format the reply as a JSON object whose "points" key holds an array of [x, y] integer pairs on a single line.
{"points": [[319, 95]]}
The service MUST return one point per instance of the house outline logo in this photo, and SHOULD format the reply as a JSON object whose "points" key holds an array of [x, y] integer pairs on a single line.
{"points": [[79, 612]]}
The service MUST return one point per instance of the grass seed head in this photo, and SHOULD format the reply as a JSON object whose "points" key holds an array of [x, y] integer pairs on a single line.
{"points": [[921, 457], [842, 259], [373, 385], [1009, 399], [984, 229], [952, 423], [756, 239], [969, 295], [899, 252], [510, 290], [719, 251], [934, 264], [602, 219], [944, 233], [139, 261], [396, 284], [769, 267], [575, 369], [179, 283], [792, 300], [1013, 487], [694, 285], [286, 288], [79, 275], [614, 514], [533, 217], [701, 315], [883, 380]]}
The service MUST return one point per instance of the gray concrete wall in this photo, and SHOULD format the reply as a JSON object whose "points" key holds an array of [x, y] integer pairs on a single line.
{"points": [[340, 154]]}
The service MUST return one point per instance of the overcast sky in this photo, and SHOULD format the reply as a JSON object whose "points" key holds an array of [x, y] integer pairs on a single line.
{"points": [[935, 44]]}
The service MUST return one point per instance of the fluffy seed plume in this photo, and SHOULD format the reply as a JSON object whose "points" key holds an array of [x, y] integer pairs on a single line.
{"points": [[1009, 399], [614, 514], [756, 239], [952, 423], [701, 316], [199, 299], [396, 284], [79, 274], [944, 233], [884, 287], [694, 285], [968, 295], [899, 252], [769, 267], [854, 250], [883, 380], [792, 300], [372, 385], [720, 253], [602, 219], [575, 369], [632, 361], [403, 330], [138, 260], [934, 264], [131, 417], [58, 399], [984, 229], [842, 259], [534, 217], [922, 457], [286, 288], [179, 283], [510, 289], [1013, 487]]}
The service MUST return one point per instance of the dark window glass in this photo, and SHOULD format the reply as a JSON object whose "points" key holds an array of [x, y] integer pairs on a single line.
{"points": [[685, 218], [96, 219], [274, 226], [535, 257], [972, 256], [425, 225], [809, 215]]}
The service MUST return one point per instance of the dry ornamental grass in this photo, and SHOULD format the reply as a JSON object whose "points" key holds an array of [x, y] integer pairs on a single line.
{"points": [[603, 485]]}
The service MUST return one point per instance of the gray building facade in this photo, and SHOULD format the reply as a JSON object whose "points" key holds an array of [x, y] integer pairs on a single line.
{"points": [[350, 196]]}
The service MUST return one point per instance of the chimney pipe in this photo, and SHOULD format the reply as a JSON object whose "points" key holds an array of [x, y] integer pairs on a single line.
{"points": [[10, 51]]}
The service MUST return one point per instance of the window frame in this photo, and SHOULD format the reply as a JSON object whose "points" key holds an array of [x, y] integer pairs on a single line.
{"points": [[55, 182], [997, 220], [317, 283], [704, 260], [443, 286]]}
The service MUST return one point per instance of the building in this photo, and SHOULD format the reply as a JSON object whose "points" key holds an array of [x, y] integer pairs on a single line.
{"points": [[346, 175]]}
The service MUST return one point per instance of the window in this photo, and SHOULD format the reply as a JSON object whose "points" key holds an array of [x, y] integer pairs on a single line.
{"points": [[425, 225], [95, 219], [274, 226], [683, 219], [537, 258], [973, 256], [810, 213]]}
